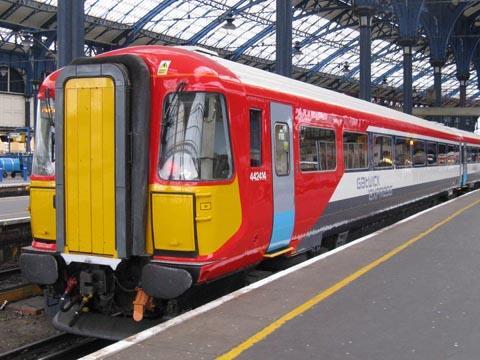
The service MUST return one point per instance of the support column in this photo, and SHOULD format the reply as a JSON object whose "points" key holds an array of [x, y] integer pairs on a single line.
{"points": [[365, 57], [70, 30], [284, 38], [78, 28], [407, 80], [27, 112], [437, 84], [463, 93]]}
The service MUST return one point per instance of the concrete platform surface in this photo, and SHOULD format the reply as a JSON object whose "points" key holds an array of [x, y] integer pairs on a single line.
{"points": [[13, 208], [411, 291]]}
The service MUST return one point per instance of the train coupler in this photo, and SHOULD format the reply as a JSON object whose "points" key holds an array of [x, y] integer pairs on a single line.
{"points": [[65, 302], [142, 302], [81, 309]]}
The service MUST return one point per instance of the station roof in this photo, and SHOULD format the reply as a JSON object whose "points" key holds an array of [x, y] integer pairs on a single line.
{"points": [[326, 31]]}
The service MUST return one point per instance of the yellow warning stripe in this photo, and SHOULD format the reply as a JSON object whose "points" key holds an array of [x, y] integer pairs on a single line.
{"points": [[262, 334]]}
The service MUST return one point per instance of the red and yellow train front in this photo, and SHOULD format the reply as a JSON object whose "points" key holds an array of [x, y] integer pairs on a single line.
{"points": [[134, 193]]}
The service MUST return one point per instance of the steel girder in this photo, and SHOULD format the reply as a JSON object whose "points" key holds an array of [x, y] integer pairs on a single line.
{"points": [[130, 34]]}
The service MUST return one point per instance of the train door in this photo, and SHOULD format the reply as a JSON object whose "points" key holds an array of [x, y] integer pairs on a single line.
{"points": [[89, 165], [260, 168], [91, 124], [463, 165], [282, 175]]}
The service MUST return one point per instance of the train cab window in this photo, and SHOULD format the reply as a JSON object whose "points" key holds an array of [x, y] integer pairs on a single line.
{"points": [[317, 149], [419, 156], [403, 152], [453, 154], [195, 144], [44, 154], [255, 137], [282, 149], [442, 154], [382, 152], [431, 153], [355, 147]]}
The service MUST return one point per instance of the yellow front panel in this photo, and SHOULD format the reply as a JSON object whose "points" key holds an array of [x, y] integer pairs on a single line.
{"points": [[42, 210], [90, 165], [218, 215], [173, 228]]}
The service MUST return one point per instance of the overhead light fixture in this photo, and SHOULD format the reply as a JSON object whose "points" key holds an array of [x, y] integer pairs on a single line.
{"points": [[346, 67], [297, 49], [27, 43], [229, 25], [3, 71]]}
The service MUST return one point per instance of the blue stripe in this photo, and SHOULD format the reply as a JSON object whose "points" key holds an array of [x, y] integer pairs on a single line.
{"points": [[282, 230]]}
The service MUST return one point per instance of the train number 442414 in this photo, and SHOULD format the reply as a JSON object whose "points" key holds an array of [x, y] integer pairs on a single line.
{"points": [[258, 175]]}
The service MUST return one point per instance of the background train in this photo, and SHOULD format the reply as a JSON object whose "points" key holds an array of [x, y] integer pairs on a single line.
{"points": [[160, 168]]}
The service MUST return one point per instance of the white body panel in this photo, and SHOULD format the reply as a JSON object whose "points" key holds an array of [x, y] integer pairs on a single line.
{"points": [[382, 182]]}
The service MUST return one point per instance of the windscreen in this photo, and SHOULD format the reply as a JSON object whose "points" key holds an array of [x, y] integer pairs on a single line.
{"points": [[195, 144], [44, 155]]}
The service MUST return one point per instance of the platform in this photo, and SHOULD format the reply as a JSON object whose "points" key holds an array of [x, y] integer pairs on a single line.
{"points": [[410, 291], [14, 209]]}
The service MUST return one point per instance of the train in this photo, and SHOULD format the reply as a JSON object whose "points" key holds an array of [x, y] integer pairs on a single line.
{"points": [[158, 169]]}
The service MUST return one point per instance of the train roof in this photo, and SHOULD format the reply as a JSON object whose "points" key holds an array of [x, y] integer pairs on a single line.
{"points": [[270, 81], [274, 82]]}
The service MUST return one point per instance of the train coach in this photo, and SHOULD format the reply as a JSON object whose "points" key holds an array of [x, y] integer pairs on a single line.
{"points": [[161, 168]]}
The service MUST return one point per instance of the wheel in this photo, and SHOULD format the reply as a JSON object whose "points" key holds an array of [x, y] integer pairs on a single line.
{"points": [[5, 174], [13, 174]]}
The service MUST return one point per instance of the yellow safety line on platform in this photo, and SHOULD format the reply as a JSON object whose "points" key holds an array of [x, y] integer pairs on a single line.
{"points": [[262, 334]]}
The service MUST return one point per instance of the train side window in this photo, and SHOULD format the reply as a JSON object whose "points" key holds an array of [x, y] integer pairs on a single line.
{"points": [[382, 152], [473, 155], [255, 137], [453, 154], [355, 150], [432, 153], [282, 149], [442, 154], [317, 149], [403, 152], [419, 156], [470, 155]]}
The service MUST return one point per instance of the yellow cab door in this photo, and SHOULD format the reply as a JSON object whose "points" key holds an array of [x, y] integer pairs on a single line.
{"points": [[89, 170]]}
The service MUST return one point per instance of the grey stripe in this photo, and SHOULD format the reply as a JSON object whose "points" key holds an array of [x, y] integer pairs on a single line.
{"points": [[342, 212]]}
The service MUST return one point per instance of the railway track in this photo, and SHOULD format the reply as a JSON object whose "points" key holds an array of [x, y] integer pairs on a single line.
{"points": [[8, 272], [61, 346], [13, 287]]}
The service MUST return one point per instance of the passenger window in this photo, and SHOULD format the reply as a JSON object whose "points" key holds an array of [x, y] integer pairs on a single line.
{"points": [[317, 149], [419, 157], [431, 153], [382, 152], [403, 152], [442, 154], [472, 155], [282, 149], [355, 147], [453, 154], [255, 137]]}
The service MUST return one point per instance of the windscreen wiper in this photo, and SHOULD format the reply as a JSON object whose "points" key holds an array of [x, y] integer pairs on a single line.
{"points": [[167, 122]]}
